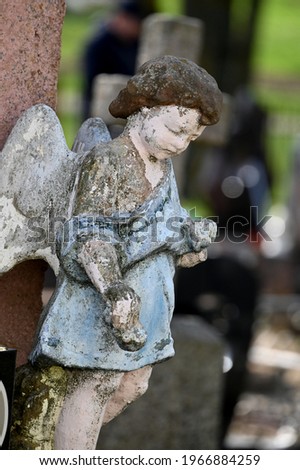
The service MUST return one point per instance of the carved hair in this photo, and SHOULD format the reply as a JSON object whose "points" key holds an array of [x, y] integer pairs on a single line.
{"points": [[166, 81]]}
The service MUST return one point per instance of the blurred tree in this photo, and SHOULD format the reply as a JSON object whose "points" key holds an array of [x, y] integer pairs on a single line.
{"points": [[229, 34]]}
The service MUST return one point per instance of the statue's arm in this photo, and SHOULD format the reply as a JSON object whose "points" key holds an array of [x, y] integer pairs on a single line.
{"points": [[100, 262]]}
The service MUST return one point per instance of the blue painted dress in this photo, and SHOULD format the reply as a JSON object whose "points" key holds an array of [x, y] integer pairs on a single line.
{"points": [[73, 331]]}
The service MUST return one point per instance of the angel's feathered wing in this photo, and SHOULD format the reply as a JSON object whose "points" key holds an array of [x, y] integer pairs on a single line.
{"points": [[37, 178]]}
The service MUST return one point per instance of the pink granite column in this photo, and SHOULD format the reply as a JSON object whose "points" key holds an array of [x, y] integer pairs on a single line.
{"points": [[30, 38]]}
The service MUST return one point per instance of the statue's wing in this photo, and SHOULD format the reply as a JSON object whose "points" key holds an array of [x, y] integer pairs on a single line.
{"points": [[37, 177], [92, 131]]}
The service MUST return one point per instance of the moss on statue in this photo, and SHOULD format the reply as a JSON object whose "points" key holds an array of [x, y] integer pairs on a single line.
{"points": [[39, 395]]}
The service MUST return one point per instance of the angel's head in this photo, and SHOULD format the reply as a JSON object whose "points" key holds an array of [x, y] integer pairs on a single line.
{"points": [[169, 102], [166, 81]]}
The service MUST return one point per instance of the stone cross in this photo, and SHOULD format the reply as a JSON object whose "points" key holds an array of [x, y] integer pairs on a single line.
{"points": [[107, 217]]}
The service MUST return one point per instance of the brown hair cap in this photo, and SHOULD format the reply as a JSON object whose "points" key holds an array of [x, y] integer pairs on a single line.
{"points": [[170, 80]]}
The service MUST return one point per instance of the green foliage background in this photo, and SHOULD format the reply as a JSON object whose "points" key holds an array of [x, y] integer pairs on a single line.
{"points": [[275, 75]]}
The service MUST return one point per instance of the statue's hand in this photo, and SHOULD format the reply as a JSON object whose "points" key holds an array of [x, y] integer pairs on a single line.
{"points": [[204, 233], [201, 234], [192, 259], [124, 316]]}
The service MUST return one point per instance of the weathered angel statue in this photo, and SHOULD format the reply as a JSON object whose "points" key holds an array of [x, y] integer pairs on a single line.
{"points": [[107, 218]]}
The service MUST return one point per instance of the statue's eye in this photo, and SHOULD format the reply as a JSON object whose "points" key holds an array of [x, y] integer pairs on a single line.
{"points": [[174, 131], [194, 136]]}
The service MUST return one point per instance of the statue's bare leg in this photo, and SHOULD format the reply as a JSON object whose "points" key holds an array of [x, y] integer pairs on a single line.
{"points": [[133, 385], [93, 399], [84, 407]]}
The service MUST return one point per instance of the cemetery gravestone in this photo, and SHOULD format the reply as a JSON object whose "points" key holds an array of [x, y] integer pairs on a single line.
{"points": [[182, 408]]}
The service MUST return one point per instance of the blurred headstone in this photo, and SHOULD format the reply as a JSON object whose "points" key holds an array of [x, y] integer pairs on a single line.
{"points": [[218, 134], [164, 34], [105, 89], [182, 407]]}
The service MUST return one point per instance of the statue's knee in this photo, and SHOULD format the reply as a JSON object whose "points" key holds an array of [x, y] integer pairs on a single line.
{"points": [[143, 387], [142, 377]]}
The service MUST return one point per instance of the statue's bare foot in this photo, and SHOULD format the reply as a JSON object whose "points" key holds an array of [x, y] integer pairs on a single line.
{"points": [[124, 317]]}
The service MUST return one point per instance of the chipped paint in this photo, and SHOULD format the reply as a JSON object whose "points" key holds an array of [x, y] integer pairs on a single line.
{"points": [[162, 132], [10, 222], [48, 255], [37, 129]]}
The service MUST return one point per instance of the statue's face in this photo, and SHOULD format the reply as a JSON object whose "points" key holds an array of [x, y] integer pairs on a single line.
{"points": [[166, 131]]}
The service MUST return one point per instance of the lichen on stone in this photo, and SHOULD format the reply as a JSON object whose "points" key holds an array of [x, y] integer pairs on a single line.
{"points": [[39, 396]]}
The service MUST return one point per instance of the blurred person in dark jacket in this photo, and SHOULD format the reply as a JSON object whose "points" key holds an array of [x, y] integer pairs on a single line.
{"points": [[114, 47]]}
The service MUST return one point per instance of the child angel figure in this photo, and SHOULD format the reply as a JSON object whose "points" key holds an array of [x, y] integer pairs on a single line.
{"points": [[109, 320]]}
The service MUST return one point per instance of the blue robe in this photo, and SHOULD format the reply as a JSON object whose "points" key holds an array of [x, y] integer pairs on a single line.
{"points": [[73, 331]]}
